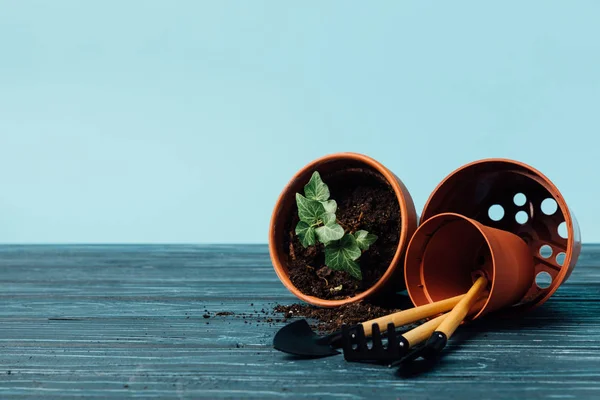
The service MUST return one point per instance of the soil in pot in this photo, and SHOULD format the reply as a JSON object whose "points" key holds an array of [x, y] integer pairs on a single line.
{"points": [[365, 201], [327, 320]]}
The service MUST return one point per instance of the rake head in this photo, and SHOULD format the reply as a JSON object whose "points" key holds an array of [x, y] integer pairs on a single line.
{"points": [[356, 345]]}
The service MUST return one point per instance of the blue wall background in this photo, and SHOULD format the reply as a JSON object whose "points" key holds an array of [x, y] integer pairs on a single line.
{"points": [[160, 121]]}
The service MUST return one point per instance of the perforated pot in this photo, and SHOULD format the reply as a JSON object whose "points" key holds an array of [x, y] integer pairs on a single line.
{"points": [[393, 276], [514, 197]]}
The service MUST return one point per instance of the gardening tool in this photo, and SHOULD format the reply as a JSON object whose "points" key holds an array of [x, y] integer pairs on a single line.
{"points": [[514, 197], [438, 339], [436, 343], [299, 339], [356, 348], [355, 343]]}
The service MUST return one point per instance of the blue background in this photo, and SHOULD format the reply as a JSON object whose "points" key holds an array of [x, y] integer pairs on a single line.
{"points": [[181, 121]]}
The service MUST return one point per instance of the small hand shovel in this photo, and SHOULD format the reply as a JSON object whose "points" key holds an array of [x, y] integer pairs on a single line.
{"points": [[299, 339]]}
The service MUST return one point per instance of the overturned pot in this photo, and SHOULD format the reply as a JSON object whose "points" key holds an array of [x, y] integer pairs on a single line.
{"points": [[448, 252], [514, 197], [368, 198]]}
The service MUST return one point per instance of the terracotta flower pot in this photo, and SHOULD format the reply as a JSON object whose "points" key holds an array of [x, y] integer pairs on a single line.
{"points": [[449, 251], [286, 203], [514, 197]]}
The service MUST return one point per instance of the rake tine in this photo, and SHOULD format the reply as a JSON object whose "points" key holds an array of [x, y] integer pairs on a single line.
{"points": [[376, 339], [392, 346], [361, 340], [347, 340], [354, 343]]}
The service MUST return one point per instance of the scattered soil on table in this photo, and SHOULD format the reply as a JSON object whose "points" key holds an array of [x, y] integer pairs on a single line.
{"points": [[324, 320], [365, 201], [223, 313]]}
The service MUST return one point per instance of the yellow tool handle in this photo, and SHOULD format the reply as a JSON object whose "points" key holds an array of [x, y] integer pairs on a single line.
{"points": [[411, 315], [424, 331], [460, 311]]}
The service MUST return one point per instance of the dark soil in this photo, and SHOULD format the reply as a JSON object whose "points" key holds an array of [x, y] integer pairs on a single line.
{"points": [[323, 320], [365, 201], [331, 319], [223, 313]]}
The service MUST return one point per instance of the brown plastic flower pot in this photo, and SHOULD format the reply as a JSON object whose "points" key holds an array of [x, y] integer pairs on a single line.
{"points": [[449, 251], [339, 162], [514, 197]]}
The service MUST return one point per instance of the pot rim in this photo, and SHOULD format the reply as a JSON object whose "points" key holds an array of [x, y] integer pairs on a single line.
{"points": [[406, 209]]}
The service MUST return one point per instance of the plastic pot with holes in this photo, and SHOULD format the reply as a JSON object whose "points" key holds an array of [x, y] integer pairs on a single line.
{"points": [[448, 252], [514, 197], [370, 198]]}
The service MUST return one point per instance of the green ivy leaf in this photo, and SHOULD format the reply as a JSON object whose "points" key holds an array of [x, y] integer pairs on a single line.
{"points": [[316, 189], [341, 255], [330, 206], [329, 232], [309, 211], [306, 234], [328, 218], [364, 239]]}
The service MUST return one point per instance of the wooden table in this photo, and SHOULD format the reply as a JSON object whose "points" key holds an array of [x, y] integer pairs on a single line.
{"points": [[128, 321]]}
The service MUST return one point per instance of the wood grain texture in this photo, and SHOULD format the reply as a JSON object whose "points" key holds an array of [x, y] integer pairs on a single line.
{"points": [[127, 321]]}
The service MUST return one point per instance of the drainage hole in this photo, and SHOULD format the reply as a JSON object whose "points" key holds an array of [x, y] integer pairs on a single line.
{"points": [[562, 230], [549, 206], [521, 217], [560, 259], [543, 280], [545, 251], [496, 212], [520, 199]]}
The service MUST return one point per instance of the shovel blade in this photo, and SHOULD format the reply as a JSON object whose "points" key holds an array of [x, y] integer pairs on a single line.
{"points": [[298, 338]]}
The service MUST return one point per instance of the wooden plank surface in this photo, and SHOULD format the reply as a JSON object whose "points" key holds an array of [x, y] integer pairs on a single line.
{"points": [[127, 321]]}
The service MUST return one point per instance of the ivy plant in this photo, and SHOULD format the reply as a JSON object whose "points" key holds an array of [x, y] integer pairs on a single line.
{"points": [[318, 224]]}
